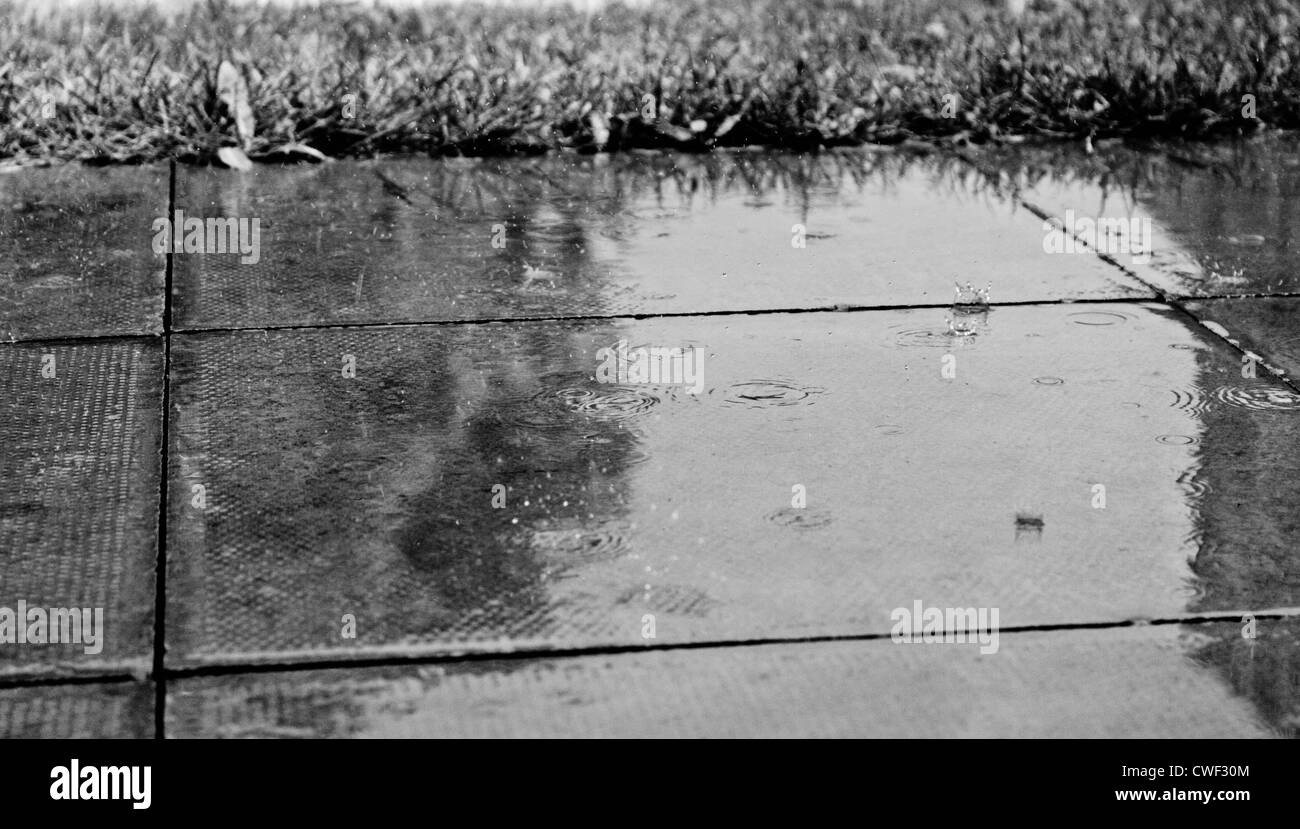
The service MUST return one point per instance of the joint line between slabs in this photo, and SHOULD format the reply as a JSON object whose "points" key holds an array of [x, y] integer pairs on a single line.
{"points": [[160, 567], [1172, 301]]}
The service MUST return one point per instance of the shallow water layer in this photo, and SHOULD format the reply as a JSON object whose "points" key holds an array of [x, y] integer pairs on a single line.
{"points": [[80, 458], [1190, 681], [476, 487], [75, 253], [1224, 219], [421, 240], [550, 474]]}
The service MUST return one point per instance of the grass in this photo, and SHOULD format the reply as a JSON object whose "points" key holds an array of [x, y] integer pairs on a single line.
{"points": [[125, 84]]}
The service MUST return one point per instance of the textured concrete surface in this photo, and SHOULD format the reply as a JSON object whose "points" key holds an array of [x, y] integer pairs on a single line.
{"points": [[415, 242], [632, 556], [79, 497], [1128, 682], [75, 252], [95, 711], [373, 495], [1223, 218], [1264, 326]]}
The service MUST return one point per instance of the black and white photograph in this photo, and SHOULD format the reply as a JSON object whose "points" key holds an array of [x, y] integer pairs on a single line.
{"points": [[651, 370]]}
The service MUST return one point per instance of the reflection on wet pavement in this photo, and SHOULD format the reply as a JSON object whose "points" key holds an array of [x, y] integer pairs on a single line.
{"points": [[1263, 326], [1136, 682], [1223, 217], [80, 448], [75, 254], [569, 415], [475, 488], [628, 235]]}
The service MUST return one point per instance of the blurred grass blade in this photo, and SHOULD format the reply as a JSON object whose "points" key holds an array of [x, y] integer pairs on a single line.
{"points": [[234, 158], [233, 91]]}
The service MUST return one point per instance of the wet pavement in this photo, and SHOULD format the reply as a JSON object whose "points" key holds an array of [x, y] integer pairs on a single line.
{"points": [[1124, 683], [81, 429], [410, 241], [661, 445], [75, 253], [98, 711]]}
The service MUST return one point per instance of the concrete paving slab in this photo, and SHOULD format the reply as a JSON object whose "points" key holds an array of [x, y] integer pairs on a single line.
{"points": [[79, 480], [1128, 682], [1224, 218], [1245, 531], [95, 711], [76, 254], [1269, 327], [430, 240], [407, 490]]}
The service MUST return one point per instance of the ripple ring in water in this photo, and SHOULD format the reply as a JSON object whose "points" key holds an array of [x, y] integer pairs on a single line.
{"points": [[803, 519], [1258, 397], [757, 394]]}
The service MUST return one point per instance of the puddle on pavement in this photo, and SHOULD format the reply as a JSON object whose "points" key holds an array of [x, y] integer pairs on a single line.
{"points": [[1155, 681], [1268, 327], [1224, 217], [413, 497], [604, 236]]}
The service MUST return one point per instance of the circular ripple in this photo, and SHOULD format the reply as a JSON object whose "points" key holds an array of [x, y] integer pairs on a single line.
{"points": [[1176, 440], [617, 404], [572, 396], [931, 337], [803, 519], [1048, 381], [554, 407], [1191, 400], [1258, 397], [1099, 318], [580, 546], [757, 394]]}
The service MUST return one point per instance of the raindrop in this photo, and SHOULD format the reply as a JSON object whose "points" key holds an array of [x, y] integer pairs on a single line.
{"points": [[1048, 381]]}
